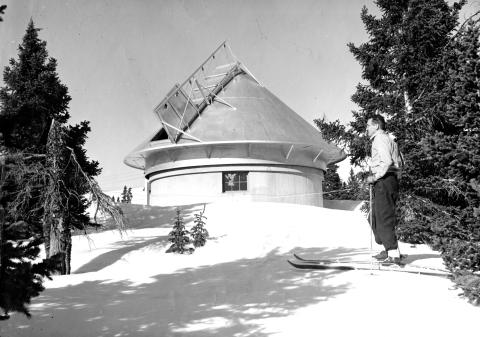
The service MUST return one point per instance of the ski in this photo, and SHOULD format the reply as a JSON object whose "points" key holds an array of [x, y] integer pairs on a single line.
{"points": [[345, 266], [321, 266], [329, 261], [338, 264]]}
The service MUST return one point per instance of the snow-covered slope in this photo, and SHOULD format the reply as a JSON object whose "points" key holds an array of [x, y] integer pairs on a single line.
{"points": [[239, 284]]}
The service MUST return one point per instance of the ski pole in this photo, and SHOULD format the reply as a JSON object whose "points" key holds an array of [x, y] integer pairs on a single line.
{"points": [[370, 187], [370, 215]]}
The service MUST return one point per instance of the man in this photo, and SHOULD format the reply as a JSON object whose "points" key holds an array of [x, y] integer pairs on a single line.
{"points": [[385, 169]]}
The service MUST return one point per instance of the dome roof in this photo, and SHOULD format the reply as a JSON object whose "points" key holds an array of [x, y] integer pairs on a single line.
{"points": [[237, 110], [254, 114]]}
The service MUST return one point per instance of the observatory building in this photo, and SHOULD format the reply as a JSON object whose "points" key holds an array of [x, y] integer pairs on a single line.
{"points": [[225, 136]]}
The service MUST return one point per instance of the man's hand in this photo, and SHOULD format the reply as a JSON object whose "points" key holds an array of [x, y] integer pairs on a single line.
{"points": [[370, 180]]}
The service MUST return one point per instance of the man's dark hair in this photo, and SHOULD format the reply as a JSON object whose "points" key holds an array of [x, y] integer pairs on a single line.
{"points": [[378, 120]]}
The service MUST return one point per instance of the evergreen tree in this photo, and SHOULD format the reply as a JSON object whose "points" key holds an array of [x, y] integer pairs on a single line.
{"points": [[179, 236], [199, 233], [20, 277], [32, 96], [332, 184], [27, 107], [355, 189], [65, 204], [45, 175], [451, 152], [75, 138], [422, 75], [32, 99], [124, 195], [407, 38], [129, 195], [398, 61], [335, 132]]}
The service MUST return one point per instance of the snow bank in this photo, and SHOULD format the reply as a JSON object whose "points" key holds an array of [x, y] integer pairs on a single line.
{"points": [[239, 284]]}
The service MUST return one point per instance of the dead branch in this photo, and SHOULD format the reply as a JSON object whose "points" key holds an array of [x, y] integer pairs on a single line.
{"points": [[103, 203]]}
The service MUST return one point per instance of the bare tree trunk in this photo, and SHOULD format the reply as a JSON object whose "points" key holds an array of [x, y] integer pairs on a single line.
{"points": [[68, 251], [58, 245], [55, 230], [46, 237]]}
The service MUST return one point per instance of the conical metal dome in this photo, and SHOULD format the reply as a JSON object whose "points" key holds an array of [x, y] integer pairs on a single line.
{"points": [[222, 123], [255, 114]]}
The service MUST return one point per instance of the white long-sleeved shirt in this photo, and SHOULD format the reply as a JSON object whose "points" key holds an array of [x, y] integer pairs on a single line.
{"points": [[384, 154]]}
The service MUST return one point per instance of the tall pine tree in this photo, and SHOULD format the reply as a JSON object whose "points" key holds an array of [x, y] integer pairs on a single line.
{"points": [[422, 74], [32, 96], [23, 125], [45, 174], [409, 35], [451, 151]]}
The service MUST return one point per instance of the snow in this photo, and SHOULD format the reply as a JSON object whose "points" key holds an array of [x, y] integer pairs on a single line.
{"points": [[239, 284]]}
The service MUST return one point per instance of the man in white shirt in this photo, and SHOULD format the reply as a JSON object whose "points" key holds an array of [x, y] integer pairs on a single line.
{"points": [[385, 172]]}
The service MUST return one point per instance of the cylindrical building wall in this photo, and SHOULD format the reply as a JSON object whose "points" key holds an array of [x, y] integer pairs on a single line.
{"points": [[290, 184]]}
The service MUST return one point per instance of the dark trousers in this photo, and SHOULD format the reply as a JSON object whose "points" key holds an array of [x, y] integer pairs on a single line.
{"points": [[385, 195]]}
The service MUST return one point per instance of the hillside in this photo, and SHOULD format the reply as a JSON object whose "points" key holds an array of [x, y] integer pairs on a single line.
{"points": [[240, 284]]}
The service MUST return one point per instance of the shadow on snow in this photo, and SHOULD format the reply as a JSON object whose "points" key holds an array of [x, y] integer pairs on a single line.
{"points": [[224, 299]]}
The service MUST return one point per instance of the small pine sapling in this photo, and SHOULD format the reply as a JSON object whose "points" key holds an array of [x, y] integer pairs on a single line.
{"points": [[199, 233], [179, 236]]}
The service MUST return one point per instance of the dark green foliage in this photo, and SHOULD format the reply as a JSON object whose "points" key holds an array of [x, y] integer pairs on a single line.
{"points": [[332, 184], [2, 11], [334, 132], [355, 188], [32, 96], [20, 277], [126, 195], [179, 236], [423, 76], [129, 195], [470, 284], [45, 173], [461, 255], [403, 42], [333, 187], [449, 155], [198, 232]]}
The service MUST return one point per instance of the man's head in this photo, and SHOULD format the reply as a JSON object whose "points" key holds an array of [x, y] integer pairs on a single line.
{"points": [[374, 124]]}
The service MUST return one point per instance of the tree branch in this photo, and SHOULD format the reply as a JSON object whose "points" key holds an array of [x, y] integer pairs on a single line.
{"points": [[102, 201], [465, 22]]}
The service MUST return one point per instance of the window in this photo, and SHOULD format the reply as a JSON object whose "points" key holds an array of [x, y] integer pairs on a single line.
{"points": [[234, 181]]}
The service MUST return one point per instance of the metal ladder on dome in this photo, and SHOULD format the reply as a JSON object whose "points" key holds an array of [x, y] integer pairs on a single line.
{"points": [[185, 102]]}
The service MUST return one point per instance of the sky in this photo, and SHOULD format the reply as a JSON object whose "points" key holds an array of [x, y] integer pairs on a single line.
{"points": [[119, 58]]}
